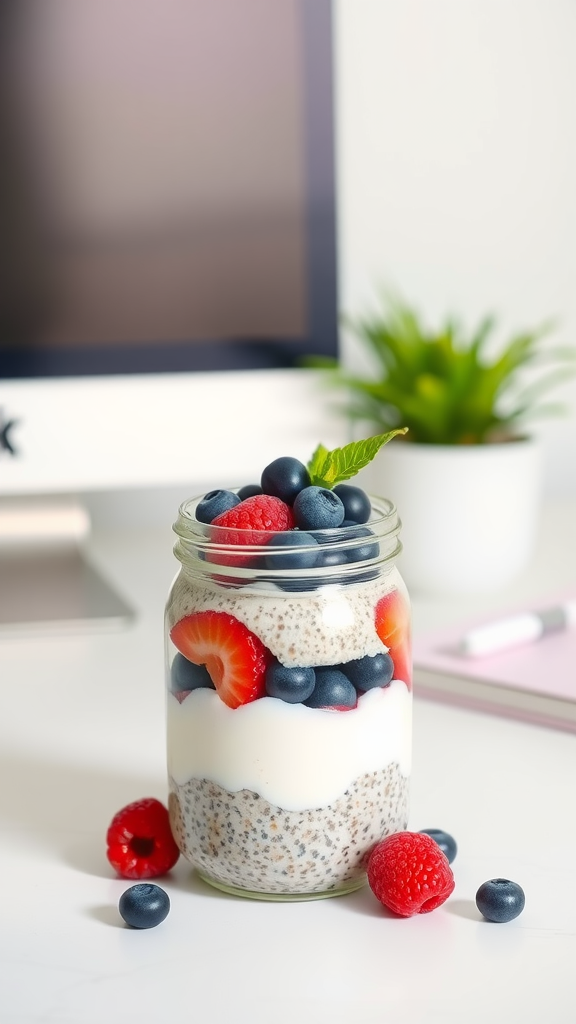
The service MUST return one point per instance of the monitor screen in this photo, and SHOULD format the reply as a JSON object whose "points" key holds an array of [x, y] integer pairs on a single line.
{"points": [[168, 236]]}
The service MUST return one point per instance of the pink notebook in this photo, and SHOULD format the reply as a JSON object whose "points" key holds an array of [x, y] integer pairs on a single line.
{"points": [[535, 682]]}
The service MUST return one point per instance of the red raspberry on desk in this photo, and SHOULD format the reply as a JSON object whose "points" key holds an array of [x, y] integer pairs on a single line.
{"points": [[409, 874], [140, 841]]}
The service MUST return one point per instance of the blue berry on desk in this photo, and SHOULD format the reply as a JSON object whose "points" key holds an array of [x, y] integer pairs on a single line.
{"points": [[445, 841], [356, 503], [144, 905], [317, 508], [214, 503], [284, 478], [500, 900]]}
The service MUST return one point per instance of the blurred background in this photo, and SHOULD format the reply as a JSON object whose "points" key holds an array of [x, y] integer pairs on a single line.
{"points": [[455, 161], [456, 131]]}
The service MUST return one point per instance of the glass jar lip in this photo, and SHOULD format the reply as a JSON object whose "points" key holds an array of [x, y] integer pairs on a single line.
{"points": [[384, 523]]}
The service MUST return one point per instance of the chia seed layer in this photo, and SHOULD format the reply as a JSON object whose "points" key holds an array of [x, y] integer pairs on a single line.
{"points": [[242, 840], [323, 627]]}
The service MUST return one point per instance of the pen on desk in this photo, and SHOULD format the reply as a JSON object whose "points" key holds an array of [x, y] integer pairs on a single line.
{"points": [[514, 630]]}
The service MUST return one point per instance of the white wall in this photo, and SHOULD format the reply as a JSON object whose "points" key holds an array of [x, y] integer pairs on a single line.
{"points": [[457, 168]]}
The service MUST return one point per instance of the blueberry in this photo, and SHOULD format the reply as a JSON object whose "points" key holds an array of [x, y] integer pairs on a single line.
{"points": [[292, 685], [214, 503], [332, 689], [445, 841], [331, 556], [357, 507], [369, 672], [248, 491], [185, 675], [144, 905], [317, 508], [367, 549], [292, 559], [500, 900], [284, 478]]}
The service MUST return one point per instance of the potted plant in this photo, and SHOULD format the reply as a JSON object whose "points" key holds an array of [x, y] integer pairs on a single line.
{"points": [[466, 475]]}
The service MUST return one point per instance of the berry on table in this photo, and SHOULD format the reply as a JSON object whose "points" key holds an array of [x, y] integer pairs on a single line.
{"points": [[236, 659], [214, 504], [409, 874], [500, 900], [317, 508], [369, 672], [332, 690], [284, 478], [292, 685], [144, 905], [357, 506], [445, 841], [139, 840], [393, 627]]}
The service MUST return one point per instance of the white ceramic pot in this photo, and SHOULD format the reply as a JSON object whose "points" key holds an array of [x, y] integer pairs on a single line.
{"points": [[469, 513]]}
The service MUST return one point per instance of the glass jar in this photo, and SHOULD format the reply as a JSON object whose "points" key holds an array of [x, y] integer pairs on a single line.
{"points": [[288, 704]]}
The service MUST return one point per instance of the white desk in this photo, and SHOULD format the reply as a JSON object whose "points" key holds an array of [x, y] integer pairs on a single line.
{"points": [[82, 733]]}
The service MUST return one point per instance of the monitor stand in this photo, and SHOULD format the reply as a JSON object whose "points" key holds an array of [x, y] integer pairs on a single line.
{"points": [[47, 584]]}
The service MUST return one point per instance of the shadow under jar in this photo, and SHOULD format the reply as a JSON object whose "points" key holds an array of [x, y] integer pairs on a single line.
{"points": [[289, 703]]}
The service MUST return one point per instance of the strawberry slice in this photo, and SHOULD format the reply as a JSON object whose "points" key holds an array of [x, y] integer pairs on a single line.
{"points": [[235, 658], [393, 627]]}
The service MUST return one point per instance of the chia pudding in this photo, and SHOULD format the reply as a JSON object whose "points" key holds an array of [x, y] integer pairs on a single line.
{"points": [[273, 796]]}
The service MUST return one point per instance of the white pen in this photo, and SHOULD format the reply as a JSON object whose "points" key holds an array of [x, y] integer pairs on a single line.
{"points": [[514, 630]]}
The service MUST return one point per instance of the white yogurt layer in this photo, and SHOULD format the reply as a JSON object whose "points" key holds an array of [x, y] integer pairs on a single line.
{"points": [[321, 627], [296, 757]]}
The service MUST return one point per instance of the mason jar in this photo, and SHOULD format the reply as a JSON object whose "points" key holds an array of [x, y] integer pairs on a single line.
{"points": [[288, 677]]}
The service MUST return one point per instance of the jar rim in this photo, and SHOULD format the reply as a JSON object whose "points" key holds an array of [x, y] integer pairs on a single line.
{"points": [[245, 556], [385, 523]]}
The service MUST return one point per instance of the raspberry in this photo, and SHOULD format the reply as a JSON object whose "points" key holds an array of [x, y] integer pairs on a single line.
{"points": [[250, 522], [260, 512], [409, 874], [140, 842]]}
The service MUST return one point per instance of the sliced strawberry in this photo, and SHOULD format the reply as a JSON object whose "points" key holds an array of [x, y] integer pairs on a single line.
{"points": [[235, 658], [393, 627], [250, 522]]}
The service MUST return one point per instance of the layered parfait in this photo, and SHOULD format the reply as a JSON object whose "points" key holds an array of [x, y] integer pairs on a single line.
{"points": [[289, 680]]}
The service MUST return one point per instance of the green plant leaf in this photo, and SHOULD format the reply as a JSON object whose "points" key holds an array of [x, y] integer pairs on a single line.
{"points": [[328, 468], [445, 386]]}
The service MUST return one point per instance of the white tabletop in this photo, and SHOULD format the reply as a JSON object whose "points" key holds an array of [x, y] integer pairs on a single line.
{"points": [[82, 733]]}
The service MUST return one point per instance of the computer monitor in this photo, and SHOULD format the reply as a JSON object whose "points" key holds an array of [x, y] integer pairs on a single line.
{"points": [[167, 240], [167, 249]]}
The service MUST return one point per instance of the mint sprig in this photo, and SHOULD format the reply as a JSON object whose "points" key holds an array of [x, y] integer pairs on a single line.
{"points": [[328, 468]]}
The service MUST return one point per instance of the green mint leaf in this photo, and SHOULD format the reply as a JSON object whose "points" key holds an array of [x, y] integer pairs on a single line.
{"points": [[328, 468], [317, 461]]}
